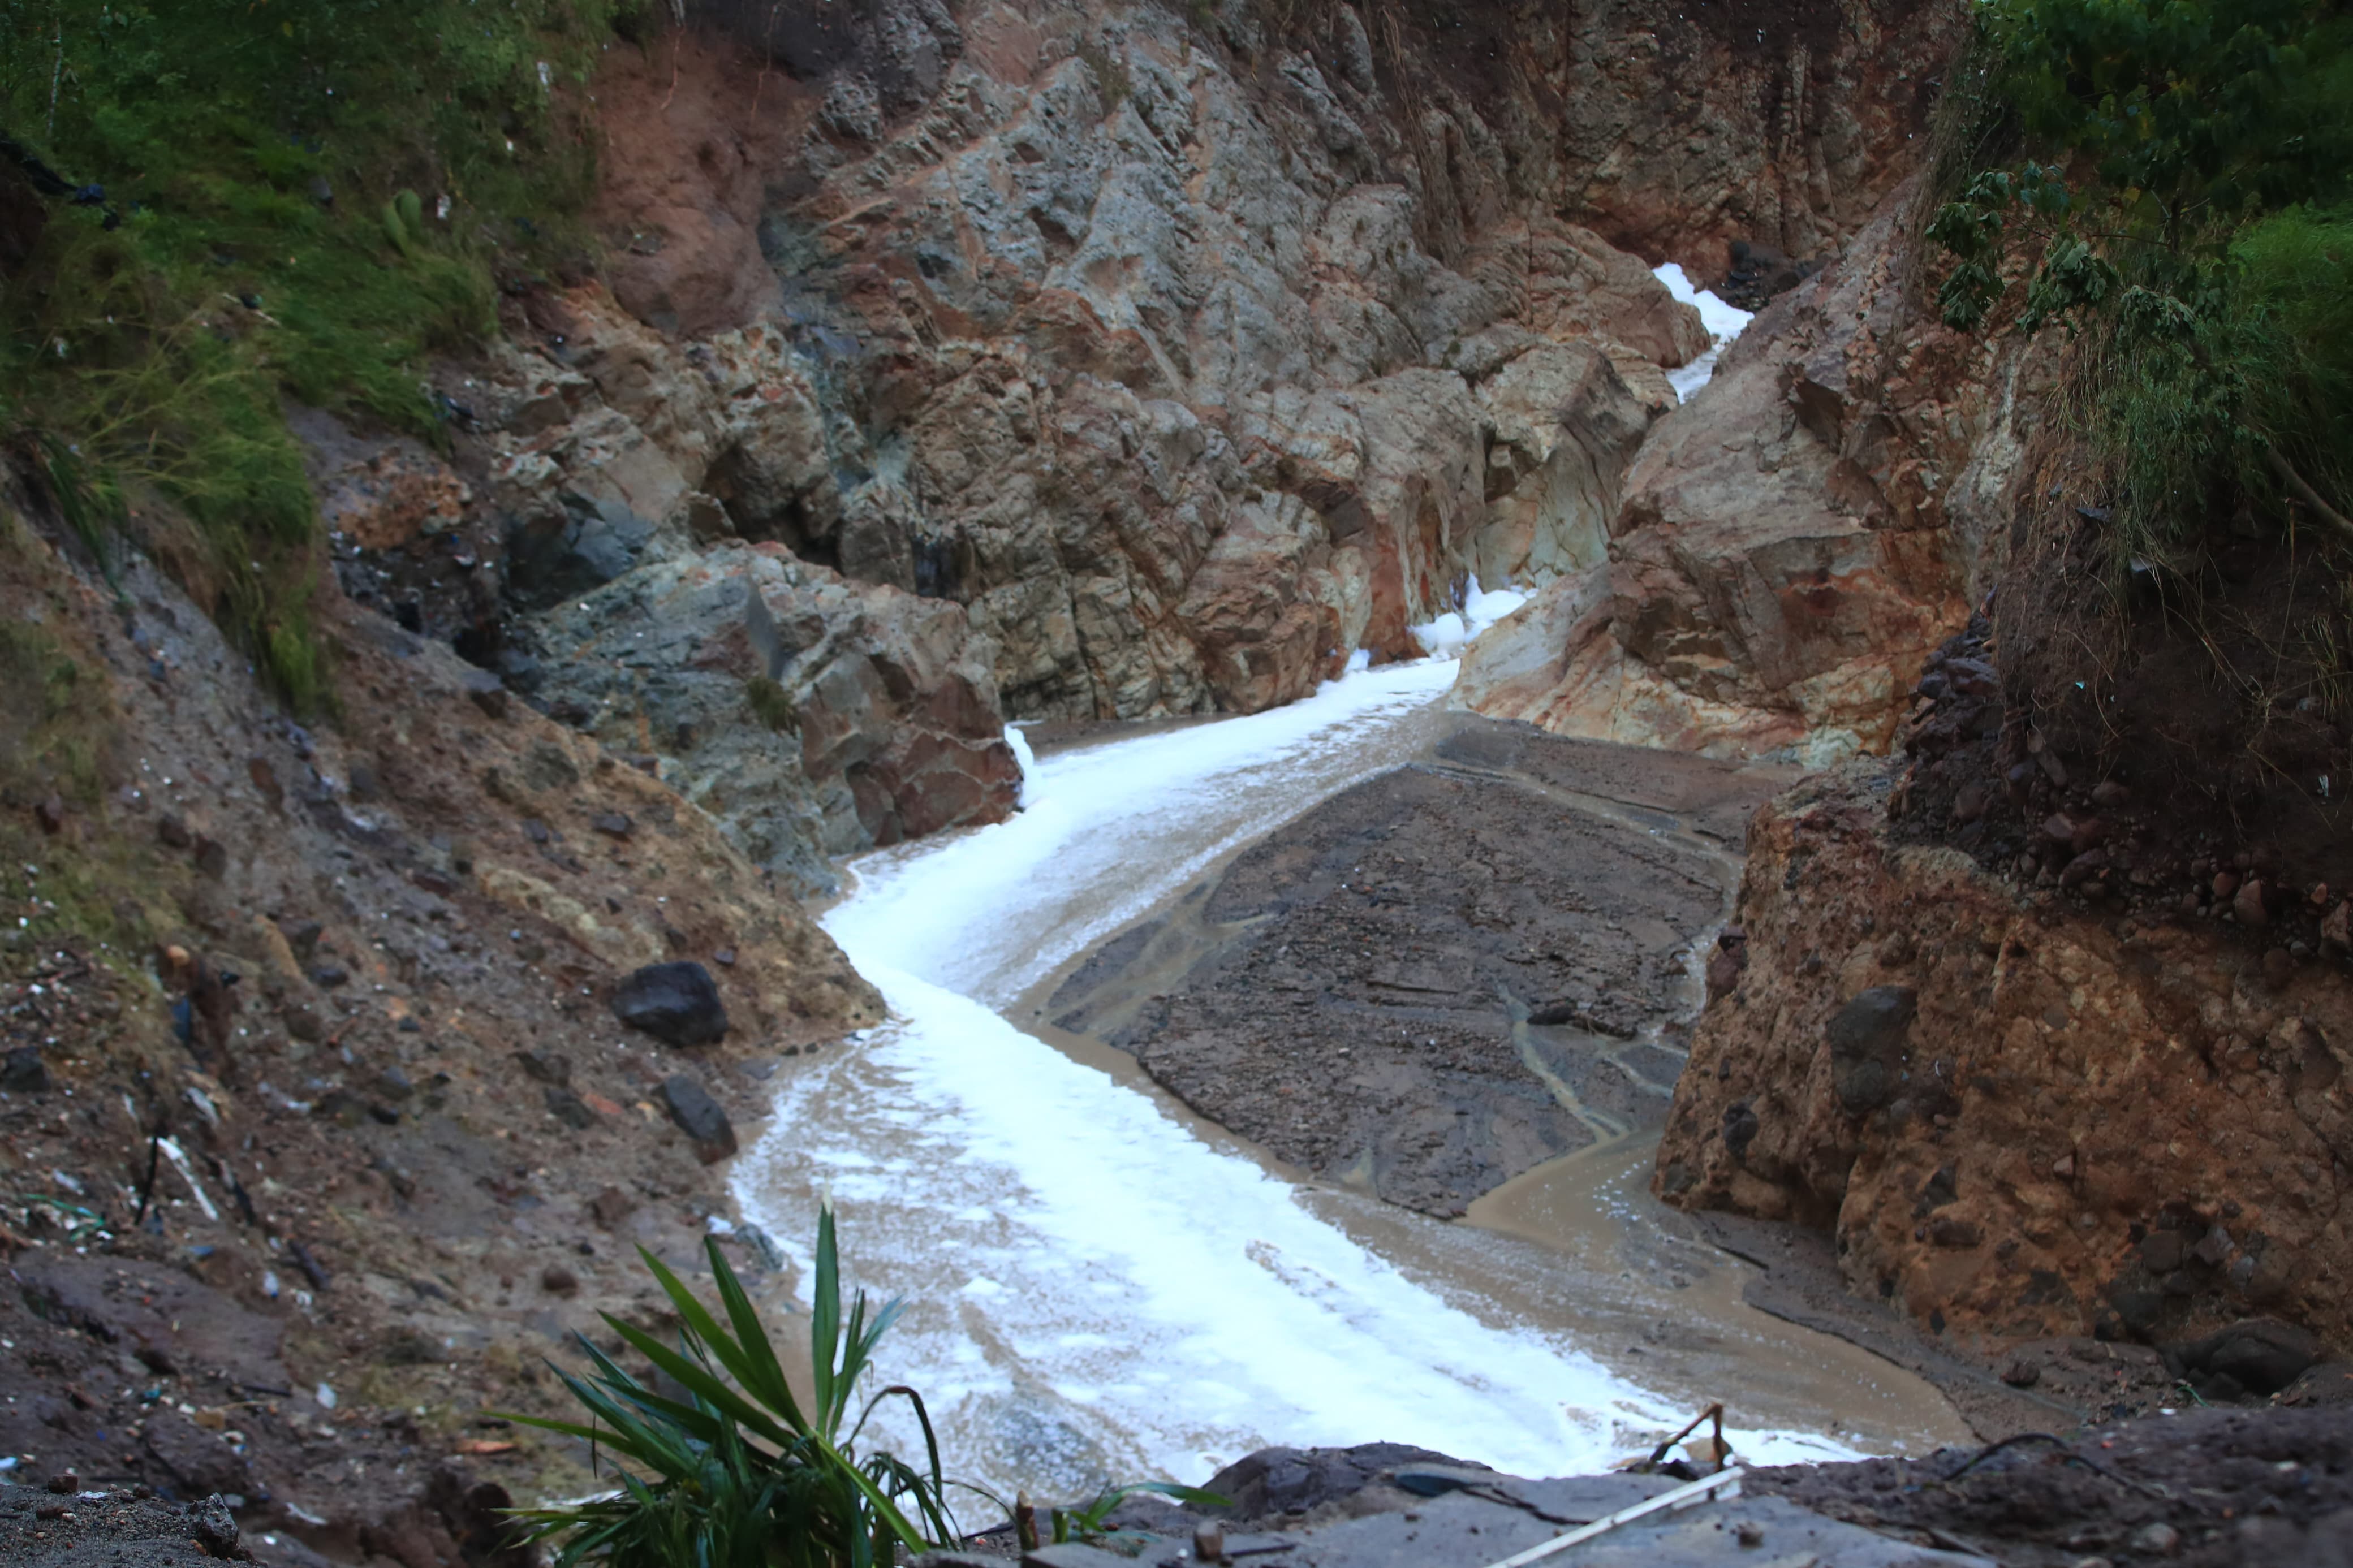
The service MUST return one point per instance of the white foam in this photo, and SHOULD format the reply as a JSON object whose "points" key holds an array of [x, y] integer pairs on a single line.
{"points": [[1095, 1289], [1447, 634], [1026, 758], [1724, 322]]}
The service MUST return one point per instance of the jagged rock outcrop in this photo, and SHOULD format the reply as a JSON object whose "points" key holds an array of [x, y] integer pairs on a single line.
{"points": [[1791, 543], [1188, 353], [1136, 346], [809, 715], [2019, 1117], [1159, 341]]}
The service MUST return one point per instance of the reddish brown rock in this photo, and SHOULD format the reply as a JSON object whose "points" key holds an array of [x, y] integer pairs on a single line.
{"points": [[1790, 546], [2074, 1131]]}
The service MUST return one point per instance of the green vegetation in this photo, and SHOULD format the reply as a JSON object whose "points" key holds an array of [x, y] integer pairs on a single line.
{"points": [[242, 201], [2185, 169], [772, 705], [739, 1475]]}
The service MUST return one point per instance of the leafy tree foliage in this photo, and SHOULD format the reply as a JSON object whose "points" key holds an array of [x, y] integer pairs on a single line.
{"points": [[2189, 167]]}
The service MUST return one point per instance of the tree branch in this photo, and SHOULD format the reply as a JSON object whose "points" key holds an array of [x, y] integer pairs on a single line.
{"points": [[2306, 494]]}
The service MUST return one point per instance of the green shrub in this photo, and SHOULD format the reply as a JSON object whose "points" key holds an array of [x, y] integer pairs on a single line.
{"points": [[2189, 183], [741, 1475], [772, 705]]}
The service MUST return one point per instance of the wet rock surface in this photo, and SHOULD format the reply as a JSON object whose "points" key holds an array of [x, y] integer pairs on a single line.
{"points": [[1443, 976], [1389, 1506], [2211, 1488]]}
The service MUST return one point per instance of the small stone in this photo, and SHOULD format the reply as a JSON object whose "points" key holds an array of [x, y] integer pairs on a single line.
{"points": [[2022, 1373], [2337, 927], [2279, 965], [486, 692], [2224, 887], [700, 1118], [211, 857], [22, 1071], [569, 1108], [546, 1066], [610, 1207], [558, 1280], [2249, 904], [2161, 1252], [2157, 1538], [2109, 793], [612, 824], [2058, 830], [2063, 1167], [1969, 803], [173, 832], [676, 1004], [1209, 1543]]}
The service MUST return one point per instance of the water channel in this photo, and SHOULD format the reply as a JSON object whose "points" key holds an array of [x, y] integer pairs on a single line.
{"points": [[1100, 1285]]}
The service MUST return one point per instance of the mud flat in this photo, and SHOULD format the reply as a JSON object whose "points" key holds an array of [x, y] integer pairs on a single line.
{"points": [[1445, 975]]}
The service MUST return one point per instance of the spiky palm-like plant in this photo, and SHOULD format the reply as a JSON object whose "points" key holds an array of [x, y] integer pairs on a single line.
{"points": [[739, 1475]]}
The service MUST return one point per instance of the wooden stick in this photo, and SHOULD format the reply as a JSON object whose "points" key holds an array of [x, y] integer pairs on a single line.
{"points": [[1725, 1481]]}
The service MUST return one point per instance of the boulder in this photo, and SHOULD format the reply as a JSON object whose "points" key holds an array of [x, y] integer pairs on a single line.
{"points": [[676, 1004], [1867, 1046], [810, 715], [700, 1116]]}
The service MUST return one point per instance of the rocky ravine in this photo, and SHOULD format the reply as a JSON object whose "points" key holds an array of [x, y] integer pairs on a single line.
{"points": [[1791, 543], [1168, 358]]}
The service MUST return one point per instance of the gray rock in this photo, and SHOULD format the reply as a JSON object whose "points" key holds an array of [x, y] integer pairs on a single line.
{"points": [[546, 1066], [1866, 1038], [700, 1118], [676, 1004], [22, 1073], [589, 543], [571, 1109], [2262, 1355]]}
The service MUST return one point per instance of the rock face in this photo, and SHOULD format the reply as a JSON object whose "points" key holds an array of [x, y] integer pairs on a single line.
{"points": [[1180, 354], [2019, 1117], [809, 715], [1793, 542], [1188, 355]]}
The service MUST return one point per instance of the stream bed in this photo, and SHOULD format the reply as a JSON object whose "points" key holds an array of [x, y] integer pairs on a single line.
{"points": [[1101, 1284]]}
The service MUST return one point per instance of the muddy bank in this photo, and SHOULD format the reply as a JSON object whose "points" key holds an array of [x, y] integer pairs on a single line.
{"points": [[1444, 975], [320, 1129]]}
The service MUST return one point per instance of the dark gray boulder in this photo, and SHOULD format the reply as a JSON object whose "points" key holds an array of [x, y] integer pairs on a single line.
{"points": [[700, 1116], [676, 1004], [1867, 1047]]}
